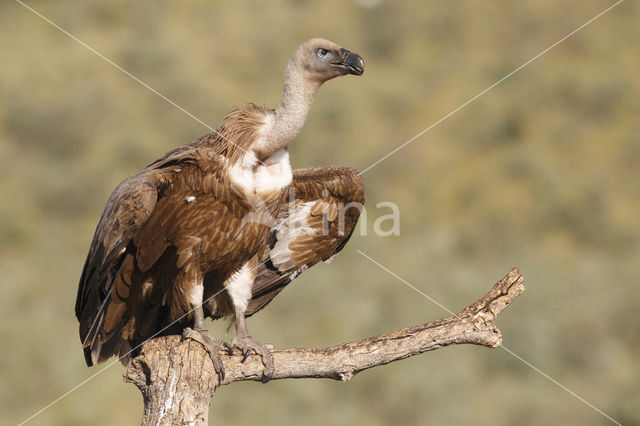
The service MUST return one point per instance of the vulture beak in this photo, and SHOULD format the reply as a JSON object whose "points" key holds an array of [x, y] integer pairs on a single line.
{"points": [[350, 63]]}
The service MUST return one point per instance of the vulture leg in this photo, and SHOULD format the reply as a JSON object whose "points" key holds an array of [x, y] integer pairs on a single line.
{"points": [[246, 343], [213, 346], [239, 288]]}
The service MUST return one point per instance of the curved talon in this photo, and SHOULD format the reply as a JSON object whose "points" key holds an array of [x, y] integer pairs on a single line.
{"points": [[228, 347], [245, 354], [266, 377], [246, 344], [185, 334]]}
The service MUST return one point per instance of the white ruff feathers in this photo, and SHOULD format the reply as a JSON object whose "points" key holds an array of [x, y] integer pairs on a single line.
{"points": [[272, 175], [242, 172]]}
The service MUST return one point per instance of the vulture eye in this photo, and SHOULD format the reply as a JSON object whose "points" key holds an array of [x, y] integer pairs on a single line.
{"points": [[322, 52]]}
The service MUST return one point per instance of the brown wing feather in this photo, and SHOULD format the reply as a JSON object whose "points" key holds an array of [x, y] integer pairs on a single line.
{"points": [[128, 207], [313, 227], [144, 241], [106, 276]]}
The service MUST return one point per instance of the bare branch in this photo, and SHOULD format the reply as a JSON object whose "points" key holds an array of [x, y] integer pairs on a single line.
{"points": [[177, 378]]}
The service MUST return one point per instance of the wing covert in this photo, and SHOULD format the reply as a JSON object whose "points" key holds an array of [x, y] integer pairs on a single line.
{"points": [[314, 226]]}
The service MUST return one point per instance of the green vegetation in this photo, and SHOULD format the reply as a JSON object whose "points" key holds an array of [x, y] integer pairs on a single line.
{"points": [[542, 172]]}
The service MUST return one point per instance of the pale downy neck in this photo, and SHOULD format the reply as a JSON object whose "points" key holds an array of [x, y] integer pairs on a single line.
{"points": [[290, 116]]}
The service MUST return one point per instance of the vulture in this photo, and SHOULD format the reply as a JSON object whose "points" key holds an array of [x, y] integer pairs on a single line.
{"points": [[219, 226]]}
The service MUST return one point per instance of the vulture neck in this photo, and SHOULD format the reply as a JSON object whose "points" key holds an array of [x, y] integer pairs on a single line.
{"points": [[296, 100]]}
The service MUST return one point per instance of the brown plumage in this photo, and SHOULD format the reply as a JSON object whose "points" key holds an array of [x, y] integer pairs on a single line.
{"points": [[222, 220], [335, 195]]}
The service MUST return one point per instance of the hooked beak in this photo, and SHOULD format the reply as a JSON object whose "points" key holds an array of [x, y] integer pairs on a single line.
{"points": [[350, 63]]}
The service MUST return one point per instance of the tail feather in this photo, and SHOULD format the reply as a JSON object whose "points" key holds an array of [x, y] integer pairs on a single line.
{"points": [[124, 336], [115, 346]]}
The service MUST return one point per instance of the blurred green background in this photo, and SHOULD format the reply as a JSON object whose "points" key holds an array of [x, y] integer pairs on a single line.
{"points": [[542, 172]]}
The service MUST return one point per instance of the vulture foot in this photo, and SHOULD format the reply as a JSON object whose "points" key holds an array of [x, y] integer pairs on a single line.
{"points": [[211, 345], [246, 344]]}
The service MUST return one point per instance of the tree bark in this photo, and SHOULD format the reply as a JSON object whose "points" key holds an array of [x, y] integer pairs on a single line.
{"points": [[177, 379]]}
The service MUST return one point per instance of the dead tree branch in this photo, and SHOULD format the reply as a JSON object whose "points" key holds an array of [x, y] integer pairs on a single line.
{"points": [[177, 379]]}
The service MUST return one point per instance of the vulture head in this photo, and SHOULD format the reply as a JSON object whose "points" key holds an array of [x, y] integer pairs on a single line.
{"points": [[323, 60], [312, 63]]}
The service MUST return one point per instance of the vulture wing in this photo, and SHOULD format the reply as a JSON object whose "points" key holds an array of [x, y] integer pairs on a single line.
{"points": [[107, 263], [314, 226], [128, 208], [132, 235]]}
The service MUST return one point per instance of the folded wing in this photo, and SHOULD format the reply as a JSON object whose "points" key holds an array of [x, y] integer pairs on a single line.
{"points": [[127, 209]]}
